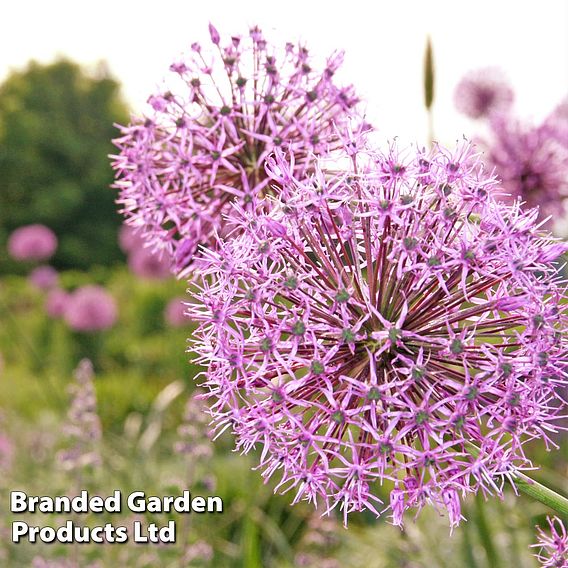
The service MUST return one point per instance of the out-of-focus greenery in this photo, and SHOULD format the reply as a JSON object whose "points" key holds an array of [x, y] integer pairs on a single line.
{"points": [[56, 126], [134, 362]]}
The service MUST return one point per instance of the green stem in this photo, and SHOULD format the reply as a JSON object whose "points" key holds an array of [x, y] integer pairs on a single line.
{"points": [[541, 493]]}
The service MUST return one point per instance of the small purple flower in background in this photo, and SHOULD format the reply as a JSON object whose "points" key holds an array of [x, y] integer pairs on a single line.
{"points": [[44, 277], [83, 424], [206, 139], [149, 265], [56, 303], [379, 322], [174, 314], [90, 308], [32, 242], [553, 544], [532, 163], [129, 239], [483, 92]]}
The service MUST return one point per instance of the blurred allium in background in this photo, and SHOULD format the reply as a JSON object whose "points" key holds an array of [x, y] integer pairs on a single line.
{"points": [[56, 302], [532, 163], [553, 544], [379, 322], [32, 243], [174, 314], [150, 265], [44, 277], [90, 308], [206, 139], [530, 160], [482, 92]]}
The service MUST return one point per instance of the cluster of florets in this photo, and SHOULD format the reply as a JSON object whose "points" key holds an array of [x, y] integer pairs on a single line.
{"points": [[205, 140], [32, 243], [483, 92], [391, 325], [553, 544], [530, 160]]}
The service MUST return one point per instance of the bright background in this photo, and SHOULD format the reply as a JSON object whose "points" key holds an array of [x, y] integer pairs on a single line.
{"points": [[384, 44]]}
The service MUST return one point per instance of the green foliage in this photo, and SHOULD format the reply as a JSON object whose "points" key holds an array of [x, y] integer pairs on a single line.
{"points": [[56, 126]]}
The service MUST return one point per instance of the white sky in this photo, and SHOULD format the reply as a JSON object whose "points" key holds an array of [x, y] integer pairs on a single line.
{"points": [[384, 43]]}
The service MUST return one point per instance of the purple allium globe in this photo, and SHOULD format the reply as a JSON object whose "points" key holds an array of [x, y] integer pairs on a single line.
{"points": [[379, 322], [553, 544], [32, 242], [205, 140], [129, 239], [532, 163], [483, 92], [56, 303], [90, 308], [44, 277], [150, 265], [174, 314]]}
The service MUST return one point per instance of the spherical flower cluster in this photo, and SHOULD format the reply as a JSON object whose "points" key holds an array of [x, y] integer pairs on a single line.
{"points": [[395, 324], [553, 544], [532, 163], [205, 140], [483, 92], [150, 265], [32, 242], [129, 239], [56, 303], [174, 314], [44, 277], [90, 308]]}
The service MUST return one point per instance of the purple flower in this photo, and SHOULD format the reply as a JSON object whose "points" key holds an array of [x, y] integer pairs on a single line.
{"points": [[174, 314], [205, 141], [147, 264], [83, 423], [553, 544], [44, 277], [56, 303], [129, 239], [532, 163], [90, 308], [379, 322], [483, 92], [32, 242]]}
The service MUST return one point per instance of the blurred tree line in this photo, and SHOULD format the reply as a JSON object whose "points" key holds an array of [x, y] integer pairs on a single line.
{"points": [[56, 126]]}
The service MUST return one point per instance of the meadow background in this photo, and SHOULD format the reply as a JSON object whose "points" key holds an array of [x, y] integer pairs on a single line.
{"points": [[94, 66]]}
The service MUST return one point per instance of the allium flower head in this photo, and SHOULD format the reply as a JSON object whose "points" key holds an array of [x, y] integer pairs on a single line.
{"points": [[56, 303], [553, 544], [174, 314], [376, 324], [205, 140], [90, 308], [147, 264], [44, 277], [129, 239], [32, 242], [532, 163], [483, 92]]}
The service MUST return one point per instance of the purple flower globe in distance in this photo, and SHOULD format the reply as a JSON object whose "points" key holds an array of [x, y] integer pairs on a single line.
{"points": [[205, 140], [482, 92], [392, 325], [150, 265], [129, 239], [90, 308], [174, 314], [552, 544], [32, 243], [44, 277], [56, 303], [532, 163]]}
